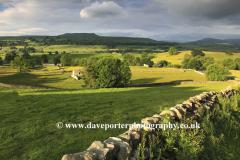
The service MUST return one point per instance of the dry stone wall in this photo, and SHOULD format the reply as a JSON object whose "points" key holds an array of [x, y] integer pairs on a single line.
{"points": [[182, 82], [21, 86], [125, 145]]}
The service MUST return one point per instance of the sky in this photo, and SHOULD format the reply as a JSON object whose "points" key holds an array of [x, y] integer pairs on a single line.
{"points": [[165, 20]]}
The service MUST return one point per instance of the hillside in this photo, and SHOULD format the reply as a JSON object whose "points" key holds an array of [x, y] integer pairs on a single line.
{"points": [[90, 38], [212, 40]]}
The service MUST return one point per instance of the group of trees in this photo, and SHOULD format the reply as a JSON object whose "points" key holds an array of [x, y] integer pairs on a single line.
{"points": [[10, 56], [22, 64], [196, 60], [231, 63], [131, 60], [128, 58], [215, 71]]}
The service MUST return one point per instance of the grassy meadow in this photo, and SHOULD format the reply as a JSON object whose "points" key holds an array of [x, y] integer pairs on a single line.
{"points": [[162, 77], [177, 59], [65, 81], [29, 117]]}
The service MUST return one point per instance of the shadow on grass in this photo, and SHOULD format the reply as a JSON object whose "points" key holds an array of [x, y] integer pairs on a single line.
{"points": [[231, 77], [144, 81], [35, 114], [29, 79], [149, 84]]}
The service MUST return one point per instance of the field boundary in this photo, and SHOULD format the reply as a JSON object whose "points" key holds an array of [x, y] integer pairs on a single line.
{"points": [[42, 71], [158, 71], [182, 82], [21, 86], [125, 145]]}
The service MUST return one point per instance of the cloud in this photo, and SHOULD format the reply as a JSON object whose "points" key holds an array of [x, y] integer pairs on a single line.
{"points": [[158, 19], [23, 31], [97, 10], [212, 9]]}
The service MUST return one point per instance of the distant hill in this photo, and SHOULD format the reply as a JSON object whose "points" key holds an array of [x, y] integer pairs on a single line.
{"points": [[94, 37], [84, 39], [81, 36], [212, 40]]}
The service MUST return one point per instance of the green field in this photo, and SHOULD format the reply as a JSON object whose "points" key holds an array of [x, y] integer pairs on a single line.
{"points": [[177, 59], [146, 69], [65, 81], [47, 68], [51, 57], [162, 77], [28, 117], [235, 73]]}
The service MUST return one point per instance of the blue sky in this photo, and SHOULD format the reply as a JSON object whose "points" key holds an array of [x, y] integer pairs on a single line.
{"points": [[172, 20], [2, 8]]}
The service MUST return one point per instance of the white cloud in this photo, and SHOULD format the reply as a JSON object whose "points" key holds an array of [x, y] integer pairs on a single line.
{"points": [[106, 9], [22, 31]]}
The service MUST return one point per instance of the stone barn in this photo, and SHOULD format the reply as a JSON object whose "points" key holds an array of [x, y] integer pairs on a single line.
{"points": [[76, 73]]}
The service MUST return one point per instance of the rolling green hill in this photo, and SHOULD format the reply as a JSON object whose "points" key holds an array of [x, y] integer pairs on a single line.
{"points": [[87, 37], [212, 40]]}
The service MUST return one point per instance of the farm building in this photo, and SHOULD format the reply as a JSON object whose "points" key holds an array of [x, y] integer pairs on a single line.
{"points": [[76, 73]]}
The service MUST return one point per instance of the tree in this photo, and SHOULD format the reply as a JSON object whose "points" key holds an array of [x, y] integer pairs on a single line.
{"points": [[195, 63], [38, 60], [186, 60], [66, 60], [10, 56], [45, 58], [128, 58], [31, 50], [106, 72], [137, 61], [56, 60], [21, 63], [172, 51], [50, 53], [56, 52], [196, 52], [1, 61], [162, 63], [237, 61], [82, 62], [76, 62], [25, 54], [217, 72], [229, 63], [206, 61], [145, 59]]}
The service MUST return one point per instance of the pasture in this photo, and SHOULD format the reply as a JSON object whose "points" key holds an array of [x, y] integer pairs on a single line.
{"points": [[65, 81], [82, 49], [29, 117], [177, 59], [163, 77]]}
